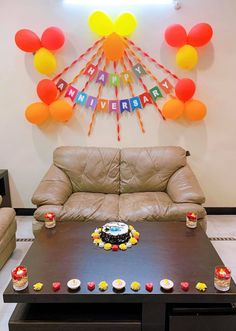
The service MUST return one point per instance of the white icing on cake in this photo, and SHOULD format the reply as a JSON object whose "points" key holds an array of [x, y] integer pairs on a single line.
{"points": [[115, 228]]}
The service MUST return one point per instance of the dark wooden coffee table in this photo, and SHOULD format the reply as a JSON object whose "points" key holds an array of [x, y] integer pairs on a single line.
{"points": [[166, 250]]}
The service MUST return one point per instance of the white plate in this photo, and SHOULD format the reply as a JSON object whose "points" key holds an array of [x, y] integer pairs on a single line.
{"points": [[166, 284], [73, 284], [118, 286]]}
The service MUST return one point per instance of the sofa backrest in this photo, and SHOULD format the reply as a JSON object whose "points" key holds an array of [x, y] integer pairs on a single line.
{"points": [[149, 169], [90, 169]]}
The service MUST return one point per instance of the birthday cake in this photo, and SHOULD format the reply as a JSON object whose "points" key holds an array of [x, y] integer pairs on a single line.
{"points": [[115, 233]]}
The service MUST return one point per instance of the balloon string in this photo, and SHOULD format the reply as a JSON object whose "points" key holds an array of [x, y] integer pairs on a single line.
{"points": [[132, 93], [98, 96], [78, 59], [144, 66], [117, 112], [90, 78], [145, 54], [144, 86]]}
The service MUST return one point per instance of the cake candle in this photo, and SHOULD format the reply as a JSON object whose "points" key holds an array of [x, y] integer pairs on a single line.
{"points": [[222, 278], [19, 278], [191, 220]]}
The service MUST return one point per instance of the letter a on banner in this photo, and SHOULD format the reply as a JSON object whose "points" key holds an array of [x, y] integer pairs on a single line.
{"points": [[102, 77], [61, 85], [145, 98]]}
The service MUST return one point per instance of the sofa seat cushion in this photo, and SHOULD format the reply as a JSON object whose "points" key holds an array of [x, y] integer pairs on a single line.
{"points": [[154, 206], [85, 206]]}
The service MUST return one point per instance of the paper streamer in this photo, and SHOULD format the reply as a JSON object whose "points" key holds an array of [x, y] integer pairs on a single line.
{"points": [[90, 78], [132, 93], [117, 113], [145, 54], [98, 96], [144, 86]]}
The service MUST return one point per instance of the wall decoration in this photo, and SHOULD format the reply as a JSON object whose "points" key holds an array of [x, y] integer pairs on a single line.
{"points": [[116, 64], [187, 55], [51, 40]]}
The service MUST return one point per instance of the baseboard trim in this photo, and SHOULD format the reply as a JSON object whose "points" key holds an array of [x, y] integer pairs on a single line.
{"points": [[221, 210], [25, 211], [209, 210]]}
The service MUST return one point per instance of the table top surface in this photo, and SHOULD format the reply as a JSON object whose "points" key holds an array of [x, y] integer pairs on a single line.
{"points": [[165, 250]]}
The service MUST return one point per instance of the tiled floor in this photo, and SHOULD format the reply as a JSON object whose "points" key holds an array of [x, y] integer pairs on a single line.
{"points": [[218, 226]]}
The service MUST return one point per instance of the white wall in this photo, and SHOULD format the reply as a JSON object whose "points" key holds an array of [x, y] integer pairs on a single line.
{"points": [[26, 151]]}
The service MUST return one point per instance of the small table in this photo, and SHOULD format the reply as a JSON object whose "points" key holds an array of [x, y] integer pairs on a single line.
{"points": [[4, 188], [166, 250]]}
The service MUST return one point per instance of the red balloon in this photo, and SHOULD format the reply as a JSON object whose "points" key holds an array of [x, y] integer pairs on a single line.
{"points": [[53, 38], [176, 35], [200, 34], [47, 91], [27, 40], [185, 89]]}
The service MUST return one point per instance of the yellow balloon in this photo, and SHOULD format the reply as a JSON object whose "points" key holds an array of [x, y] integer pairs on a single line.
{"points": [[125, 24], [187, 57], [45, 61], [101, 23]]}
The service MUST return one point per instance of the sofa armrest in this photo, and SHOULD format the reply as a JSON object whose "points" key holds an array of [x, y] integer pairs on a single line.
{"points": [[184, 187], [54, 189], [0, 200]]}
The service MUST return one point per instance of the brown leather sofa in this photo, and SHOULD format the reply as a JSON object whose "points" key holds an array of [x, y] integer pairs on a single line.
{"points": [[7, 233], [131, 184]]}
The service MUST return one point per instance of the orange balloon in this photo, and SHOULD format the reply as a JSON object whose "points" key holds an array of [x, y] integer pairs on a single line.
{"points": [[173, 109], [37, 113], [194, 110], [61, 110], [114, 47]]}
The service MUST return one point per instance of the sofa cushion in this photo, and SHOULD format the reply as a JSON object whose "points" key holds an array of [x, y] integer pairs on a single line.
{"points": [[90, 169], [154, 206], [149, 169], [84, 206]]}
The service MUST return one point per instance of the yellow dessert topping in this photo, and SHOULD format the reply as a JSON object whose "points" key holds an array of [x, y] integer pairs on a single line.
{"points": [[123, 247], [133, 241], [201, 287], [107, 246], [97, 241], [38, 286], [103, 286], [135, 286], [95, 235]]}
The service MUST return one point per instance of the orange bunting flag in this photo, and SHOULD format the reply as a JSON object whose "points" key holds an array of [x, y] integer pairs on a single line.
{"points": [[166, 86], [126, 77], [102, 105]]}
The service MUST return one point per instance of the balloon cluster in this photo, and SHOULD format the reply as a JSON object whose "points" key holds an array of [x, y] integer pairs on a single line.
{"points": [[187, 55], [114, 44], [193, 110], [40, 112], [44, 60]]}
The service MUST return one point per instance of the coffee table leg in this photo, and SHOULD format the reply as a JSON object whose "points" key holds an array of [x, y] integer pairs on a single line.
{"points": [[153, 317]]}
